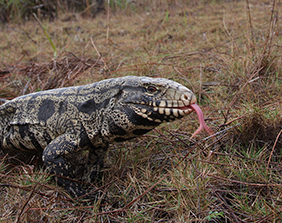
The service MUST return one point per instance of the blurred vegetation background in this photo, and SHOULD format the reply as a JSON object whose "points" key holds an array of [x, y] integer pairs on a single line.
{"points": [[19, 10]]}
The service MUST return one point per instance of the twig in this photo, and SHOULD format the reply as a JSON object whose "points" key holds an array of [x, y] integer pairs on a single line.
{"points": [[108, 22], [250, 27], [276, 140], [46, 34], [233, 120], [100, 57], [245, 183], [28, 199]]}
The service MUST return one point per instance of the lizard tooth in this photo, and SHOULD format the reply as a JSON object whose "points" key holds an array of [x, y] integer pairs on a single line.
{"points": [[175, 103], [181, 104], [181, 112], [169, 103], [162, 104], [187, 111], [175, 112], [167, 111]]}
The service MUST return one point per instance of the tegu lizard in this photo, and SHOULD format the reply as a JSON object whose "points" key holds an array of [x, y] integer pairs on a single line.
{"points": [[71, 128]]}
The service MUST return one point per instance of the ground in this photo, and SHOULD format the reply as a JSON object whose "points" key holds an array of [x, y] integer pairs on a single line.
{"points": [[227, 52]]}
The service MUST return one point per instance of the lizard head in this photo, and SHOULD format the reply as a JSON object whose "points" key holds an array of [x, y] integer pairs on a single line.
{"points": [[142, 103], [158, 100]]}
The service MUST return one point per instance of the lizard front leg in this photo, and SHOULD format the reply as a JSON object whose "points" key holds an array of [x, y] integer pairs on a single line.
{"points": [[92, 170], [56, 157]]}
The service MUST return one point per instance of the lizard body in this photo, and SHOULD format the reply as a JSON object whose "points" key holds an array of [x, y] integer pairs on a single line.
{"points": [[71, 128]]}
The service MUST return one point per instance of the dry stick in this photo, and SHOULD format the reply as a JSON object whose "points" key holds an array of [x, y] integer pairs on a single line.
{"points": [[100, 57], [273, 148], [233, 120], [93, 44], [28, 199], [245, 183], [266, 217], [250, 26], [272, 22], [108, 21], [46, 34]]}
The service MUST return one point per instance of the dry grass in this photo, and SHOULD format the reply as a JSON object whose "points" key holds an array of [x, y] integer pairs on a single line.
{"points": [[228, 53], [60, 72]]}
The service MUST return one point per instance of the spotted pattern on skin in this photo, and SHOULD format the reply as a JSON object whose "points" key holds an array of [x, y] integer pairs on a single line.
{"points": [[71, 128]]}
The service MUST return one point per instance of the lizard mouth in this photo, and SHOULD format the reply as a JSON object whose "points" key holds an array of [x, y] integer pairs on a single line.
{"points": [[185, 110], [177, 107]]}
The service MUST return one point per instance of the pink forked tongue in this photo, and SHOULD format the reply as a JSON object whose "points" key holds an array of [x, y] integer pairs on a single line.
{"points": [[203, 125]]}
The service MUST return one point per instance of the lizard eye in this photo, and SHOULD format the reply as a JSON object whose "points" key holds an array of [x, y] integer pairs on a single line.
{"points": [[151, 89]]}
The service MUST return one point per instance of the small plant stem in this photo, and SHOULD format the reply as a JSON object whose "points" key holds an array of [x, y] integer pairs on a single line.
{"points": [[47, 35], [273, 148], [252, 46]]}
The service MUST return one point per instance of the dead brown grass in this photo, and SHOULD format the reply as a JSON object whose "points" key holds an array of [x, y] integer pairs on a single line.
{"points": [[60, 72], [228, 53]]}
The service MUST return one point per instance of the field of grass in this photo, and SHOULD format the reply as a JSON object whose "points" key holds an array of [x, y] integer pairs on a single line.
{"points": [[227, 52]]}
